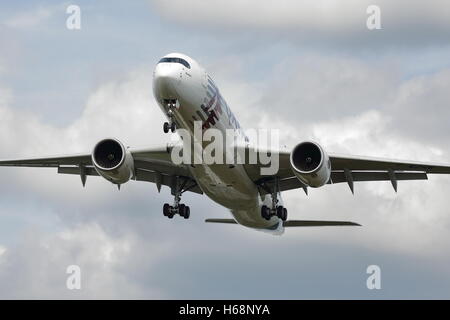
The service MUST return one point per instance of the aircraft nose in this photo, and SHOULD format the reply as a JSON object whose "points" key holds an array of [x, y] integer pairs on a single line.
{"points": [[165, 81]]}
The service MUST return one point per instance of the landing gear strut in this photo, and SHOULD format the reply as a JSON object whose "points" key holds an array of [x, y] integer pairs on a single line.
{"points": [[275, 210], [170, 126], [177, 207]]}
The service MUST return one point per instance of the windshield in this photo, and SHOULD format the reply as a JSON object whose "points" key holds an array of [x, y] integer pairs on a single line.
{"points": [[175, 60]]}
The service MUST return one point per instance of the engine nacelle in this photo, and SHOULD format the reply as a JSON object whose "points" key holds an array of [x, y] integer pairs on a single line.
{"points": [[112, 161], [311, 164]]}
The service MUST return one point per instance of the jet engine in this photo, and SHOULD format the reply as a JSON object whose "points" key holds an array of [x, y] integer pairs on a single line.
{"points": [[311, 164], [112, 161]]}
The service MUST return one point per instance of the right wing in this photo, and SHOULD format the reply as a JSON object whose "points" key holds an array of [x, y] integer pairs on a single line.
{"points": [[55, 161], [151, 165], [155, 165]]}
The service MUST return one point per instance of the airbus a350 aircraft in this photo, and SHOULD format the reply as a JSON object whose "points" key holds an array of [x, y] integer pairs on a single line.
{"points": [[186, 93]]}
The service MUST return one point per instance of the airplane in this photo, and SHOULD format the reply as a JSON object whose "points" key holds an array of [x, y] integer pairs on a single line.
{"points": [[187, 94]]}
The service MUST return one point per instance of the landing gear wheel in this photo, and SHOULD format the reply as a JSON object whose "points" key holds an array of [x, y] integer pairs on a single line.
{"points": [[178, 186], [171, 214], [173, 127], [187, 212], [265, 212], [166, 127], [280, 212], [166, 209], [182, 210], [284, 216]]}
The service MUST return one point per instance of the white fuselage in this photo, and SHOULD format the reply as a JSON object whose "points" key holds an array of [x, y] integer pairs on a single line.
{"points": [[198, 99]]}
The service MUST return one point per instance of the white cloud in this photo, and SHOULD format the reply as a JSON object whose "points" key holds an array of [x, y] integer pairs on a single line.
{"points": [[123, 108], [315, 87], [309, 89], [421, 107], [390, 220]]}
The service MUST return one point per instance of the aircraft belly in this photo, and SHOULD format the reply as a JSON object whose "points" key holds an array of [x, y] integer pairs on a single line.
{"points": [[226, 186], [231, 188]]}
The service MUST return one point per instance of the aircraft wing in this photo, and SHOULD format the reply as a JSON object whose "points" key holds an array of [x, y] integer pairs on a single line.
{"points": [[341, 162], [151, 165], [349, 169], [54, 161]]}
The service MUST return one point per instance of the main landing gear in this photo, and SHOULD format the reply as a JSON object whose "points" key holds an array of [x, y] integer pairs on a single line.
{"points": [[275, 210], [182, 209], [279, 211], [177, 207], [170, 126]]}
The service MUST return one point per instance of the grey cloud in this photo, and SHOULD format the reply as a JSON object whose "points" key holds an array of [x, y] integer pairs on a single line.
{"points": [[98, 255], [340, 24], [310, 89], [420, 108]]}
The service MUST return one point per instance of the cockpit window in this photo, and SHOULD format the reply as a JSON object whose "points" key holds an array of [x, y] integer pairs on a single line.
{"points": [[175, 60]]}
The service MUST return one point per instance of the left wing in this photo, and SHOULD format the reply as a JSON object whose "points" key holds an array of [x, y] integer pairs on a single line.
{"points": [[341, 162], [348, 169]]}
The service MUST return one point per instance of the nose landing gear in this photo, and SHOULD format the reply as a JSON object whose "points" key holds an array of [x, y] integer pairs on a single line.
{"points": [[169, 126], [170, 104]]}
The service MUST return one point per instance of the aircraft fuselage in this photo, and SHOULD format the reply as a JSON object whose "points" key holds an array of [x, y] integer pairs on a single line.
{"points": [[198, 99]]}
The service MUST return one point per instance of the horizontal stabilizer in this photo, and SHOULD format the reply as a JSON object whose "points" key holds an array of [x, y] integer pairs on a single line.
{"points": [[296, 223], [312, 223], [231, 221]]}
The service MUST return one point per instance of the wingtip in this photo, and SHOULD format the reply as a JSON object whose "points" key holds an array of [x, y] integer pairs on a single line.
{"points": [[353, 224]]}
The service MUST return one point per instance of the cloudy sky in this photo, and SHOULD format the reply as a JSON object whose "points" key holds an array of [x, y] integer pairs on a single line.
{"points": [[309, 68]]}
